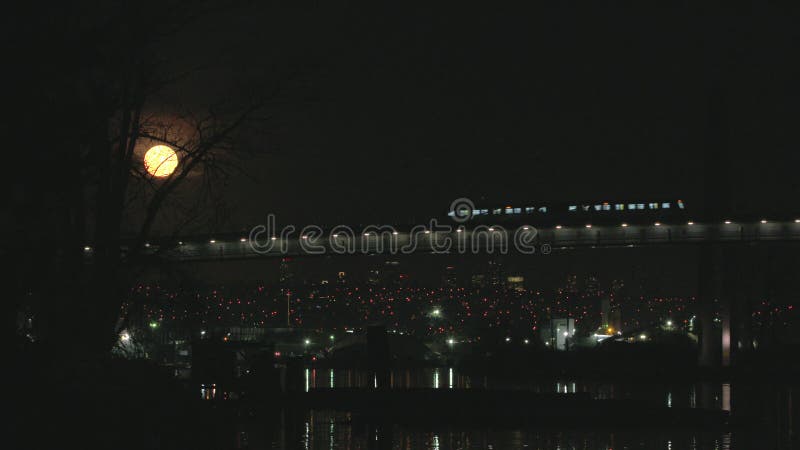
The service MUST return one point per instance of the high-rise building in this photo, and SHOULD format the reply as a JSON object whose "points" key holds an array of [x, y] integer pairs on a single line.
{"points": [[572, 284], [515, 283], [390, 275], [374, 276], [592, 285], [605, 312], [615, 318], [558, 333], [286, 272], [495, 273], [478, 280], [450, 277]]}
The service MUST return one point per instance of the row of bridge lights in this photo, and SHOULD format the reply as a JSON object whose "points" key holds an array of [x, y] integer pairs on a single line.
{"points": [[459, 230], [658, 224]]}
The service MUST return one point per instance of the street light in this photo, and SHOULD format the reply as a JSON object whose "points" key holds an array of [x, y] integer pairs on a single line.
{"points": [[436, 312]]}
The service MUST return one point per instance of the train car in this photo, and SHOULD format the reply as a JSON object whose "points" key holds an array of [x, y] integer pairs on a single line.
{"points": [[552, 214]]}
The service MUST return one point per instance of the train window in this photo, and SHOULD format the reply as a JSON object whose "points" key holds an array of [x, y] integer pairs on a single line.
{"points": [[497, 211], [543, 209], [640, 205], [606, 207], [665, 205], [653, 205], [680, 204], [619, 207], [573, 207], [517, 210], [598, 207], [529, 209]]}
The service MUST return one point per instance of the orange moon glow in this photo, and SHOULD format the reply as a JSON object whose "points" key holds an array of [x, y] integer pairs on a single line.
{"points": [[160, 161]]}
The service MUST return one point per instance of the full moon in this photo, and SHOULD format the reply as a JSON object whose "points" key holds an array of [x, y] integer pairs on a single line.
{"points": [[160, 161]]}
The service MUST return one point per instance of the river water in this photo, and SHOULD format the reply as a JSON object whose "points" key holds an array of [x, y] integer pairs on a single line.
{"points": [[765, 417]]}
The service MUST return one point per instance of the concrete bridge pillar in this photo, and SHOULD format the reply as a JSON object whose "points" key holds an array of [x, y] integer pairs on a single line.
{"points": [[709, 293]]}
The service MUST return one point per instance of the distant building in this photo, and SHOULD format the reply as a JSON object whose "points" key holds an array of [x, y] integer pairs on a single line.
{"points": [[390, 275], [286, 272], [558, 333], [615, 318], [515, 283], [593, 285], [610, 316], [495, 273], [374, 277], [605, 312], [478, 280], [450, 277], [572, 284], [386, 274]]}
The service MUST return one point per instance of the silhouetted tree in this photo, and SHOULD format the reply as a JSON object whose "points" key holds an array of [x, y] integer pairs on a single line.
{"points": [[98, 90]]}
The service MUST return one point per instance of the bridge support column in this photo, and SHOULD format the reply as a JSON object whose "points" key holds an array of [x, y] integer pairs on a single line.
{"points": [[725, 317], [709, 293]]}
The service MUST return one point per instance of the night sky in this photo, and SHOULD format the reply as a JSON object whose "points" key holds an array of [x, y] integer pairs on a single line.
{"points": [[387, 113]]}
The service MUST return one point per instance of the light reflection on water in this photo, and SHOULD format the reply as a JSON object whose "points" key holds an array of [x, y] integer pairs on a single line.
{"points": [[334, 430], [680, 395], [337, 430]]}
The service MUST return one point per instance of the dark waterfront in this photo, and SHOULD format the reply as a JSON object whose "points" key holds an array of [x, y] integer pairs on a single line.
{"points": [[761, 416]]}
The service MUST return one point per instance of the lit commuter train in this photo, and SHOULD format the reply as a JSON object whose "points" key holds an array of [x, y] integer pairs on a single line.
{"points": [[605, 212]]}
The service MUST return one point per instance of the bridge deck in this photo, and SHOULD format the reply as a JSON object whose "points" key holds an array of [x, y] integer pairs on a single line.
{"points": [[474, 241]]}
